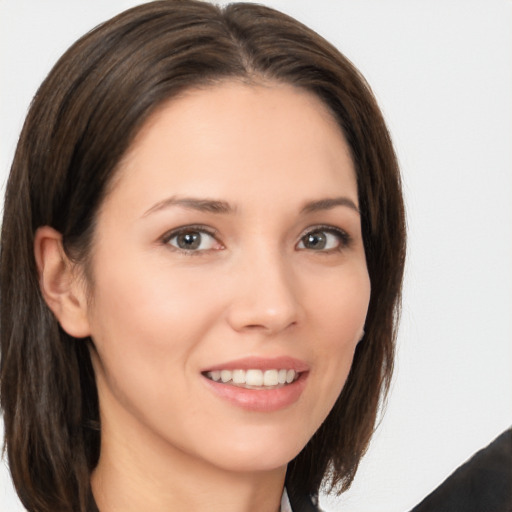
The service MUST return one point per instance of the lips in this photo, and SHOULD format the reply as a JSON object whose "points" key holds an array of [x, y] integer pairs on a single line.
{"points": [[258, 384]]}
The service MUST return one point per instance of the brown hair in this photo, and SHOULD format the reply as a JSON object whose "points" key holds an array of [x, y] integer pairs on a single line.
{"points": [[80, 124]]}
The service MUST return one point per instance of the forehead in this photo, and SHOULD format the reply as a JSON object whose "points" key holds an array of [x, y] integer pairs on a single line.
{"points": [[230, 135]]}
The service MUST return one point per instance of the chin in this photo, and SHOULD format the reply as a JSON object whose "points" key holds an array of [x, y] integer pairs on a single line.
{"points": [[258, 452]]}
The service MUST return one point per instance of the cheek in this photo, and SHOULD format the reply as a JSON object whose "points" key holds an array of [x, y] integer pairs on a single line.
{"points": [[142, 327], [337, 327], [144, 339], [149, 300], [339, 308]]}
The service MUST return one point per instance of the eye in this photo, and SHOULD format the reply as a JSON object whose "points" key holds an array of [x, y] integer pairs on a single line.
{"points": [[324, 239], [192, 239]]}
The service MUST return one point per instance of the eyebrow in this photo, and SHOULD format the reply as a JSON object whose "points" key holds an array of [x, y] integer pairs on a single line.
{"points": [[223, 207], [328, 204], [192, 203]]}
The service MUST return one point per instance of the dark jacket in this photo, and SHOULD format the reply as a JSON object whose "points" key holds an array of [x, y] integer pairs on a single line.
{"points": [[482, 484]]}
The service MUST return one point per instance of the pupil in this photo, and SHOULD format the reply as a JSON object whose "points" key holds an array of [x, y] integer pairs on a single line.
{"points": [[315, 241], [189, 240]]}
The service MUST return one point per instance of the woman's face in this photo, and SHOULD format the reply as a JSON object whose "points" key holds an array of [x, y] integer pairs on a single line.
{"points": [[229, 283]]}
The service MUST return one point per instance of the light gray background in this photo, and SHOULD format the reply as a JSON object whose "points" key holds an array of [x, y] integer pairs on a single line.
{"points": [[442, 72]]}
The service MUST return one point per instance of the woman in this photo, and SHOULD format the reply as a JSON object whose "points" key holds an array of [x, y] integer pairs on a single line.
{"points": [[202, 255]]}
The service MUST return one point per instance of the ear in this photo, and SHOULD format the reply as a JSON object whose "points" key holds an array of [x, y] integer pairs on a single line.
{"points": [[62, 289]]}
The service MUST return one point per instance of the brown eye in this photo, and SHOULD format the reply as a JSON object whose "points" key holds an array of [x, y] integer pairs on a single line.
{"points": [[316, 240], [324, 239], [192, 240]]}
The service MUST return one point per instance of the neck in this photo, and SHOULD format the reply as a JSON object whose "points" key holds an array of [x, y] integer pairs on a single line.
{"points": [[140, 472]]}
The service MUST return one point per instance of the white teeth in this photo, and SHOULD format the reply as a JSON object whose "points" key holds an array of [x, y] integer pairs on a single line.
{"points": [[254, 377], [239, 376], [270, 378]]}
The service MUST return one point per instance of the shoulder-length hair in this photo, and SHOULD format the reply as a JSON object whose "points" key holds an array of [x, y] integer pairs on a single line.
{"points": [[81, 122]]}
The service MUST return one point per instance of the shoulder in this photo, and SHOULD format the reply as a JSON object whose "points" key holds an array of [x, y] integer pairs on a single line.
{"points": [[484, 482]]}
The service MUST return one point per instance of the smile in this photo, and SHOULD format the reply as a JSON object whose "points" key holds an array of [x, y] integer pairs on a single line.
{"points": [[254, 378], [258, 384]]}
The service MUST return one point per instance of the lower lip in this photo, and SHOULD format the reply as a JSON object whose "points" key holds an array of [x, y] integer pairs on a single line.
{"points": [[260, 400]]}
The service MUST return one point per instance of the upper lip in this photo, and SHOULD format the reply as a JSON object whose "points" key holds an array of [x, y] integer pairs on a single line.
{"points": [[261, 363]]}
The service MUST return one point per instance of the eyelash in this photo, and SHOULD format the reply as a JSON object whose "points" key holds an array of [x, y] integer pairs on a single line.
{"points": [[188, 229], [343, 238]]}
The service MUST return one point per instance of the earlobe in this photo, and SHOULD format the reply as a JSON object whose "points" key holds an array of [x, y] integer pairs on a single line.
{"points": [[62, 290]]}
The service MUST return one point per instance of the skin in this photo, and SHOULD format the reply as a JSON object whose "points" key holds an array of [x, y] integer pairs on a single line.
{"points": [[160, 315]]}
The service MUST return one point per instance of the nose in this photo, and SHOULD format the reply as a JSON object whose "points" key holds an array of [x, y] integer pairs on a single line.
{"points": [[265, 296]]}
